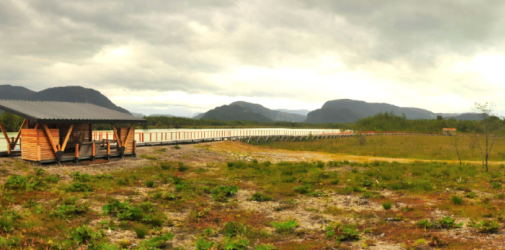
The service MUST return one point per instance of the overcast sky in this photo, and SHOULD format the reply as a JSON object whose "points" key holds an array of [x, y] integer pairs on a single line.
{"points": [[183, 57]]}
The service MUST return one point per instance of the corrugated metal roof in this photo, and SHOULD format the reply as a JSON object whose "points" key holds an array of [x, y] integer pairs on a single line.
{"points": [[66, 112]]}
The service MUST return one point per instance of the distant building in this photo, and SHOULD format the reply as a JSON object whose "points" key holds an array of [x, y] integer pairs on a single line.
{"points": [[449, 131]]}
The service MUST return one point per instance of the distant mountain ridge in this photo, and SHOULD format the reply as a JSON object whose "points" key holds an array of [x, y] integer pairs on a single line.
{"points": [[303, 112], [234, 112], [346, 110], [59, 94], [256, 112]]}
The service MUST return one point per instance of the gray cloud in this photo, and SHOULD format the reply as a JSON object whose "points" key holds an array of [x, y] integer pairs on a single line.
{"points": [[191, 46]]}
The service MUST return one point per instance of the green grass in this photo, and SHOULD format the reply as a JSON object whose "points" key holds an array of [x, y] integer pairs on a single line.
{"points": [[208, 204]]}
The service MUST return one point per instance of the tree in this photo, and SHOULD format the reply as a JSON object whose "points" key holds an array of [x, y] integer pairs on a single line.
{"points": [[455, 142], [11, 122], [489, 124]]}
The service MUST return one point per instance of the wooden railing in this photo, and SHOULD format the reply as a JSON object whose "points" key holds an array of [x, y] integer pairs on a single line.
{"points": [[195, 135]]}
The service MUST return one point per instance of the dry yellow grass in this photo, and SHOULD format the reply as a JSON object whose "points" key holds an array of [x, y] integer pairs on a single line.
{"points": [[410, 147]]}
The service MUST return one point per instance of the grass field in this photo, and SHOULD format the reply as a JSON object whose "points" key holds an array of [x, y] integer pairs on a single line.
{"points": [[202, 197], [410, 146]]}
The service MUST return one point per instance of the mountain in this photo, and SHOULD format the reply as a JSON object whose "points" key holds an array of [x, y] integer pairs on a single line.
{"points": [[297, 111], [345, 110], [198, 115], [234, 112], [137, 114], [272, 114], [463, 116], [162, 115], [59, 94], [331, 115], [8, 92]]}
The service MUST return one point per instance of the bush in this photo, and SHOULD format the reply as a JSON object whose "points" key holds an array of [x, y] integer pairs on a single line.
{"points": [[487, 226], [424, 224], [496, 185], [8, 220], [259, 197], [86, 236], [284, 227], [182, 167], [140, 230], [265, 247], [31, 182], [158, 242], [448, 223], [342, 232], [236, 243], [149, 183], [305, 189], [165, 166], [80, 187], [221, 193], [457, 200], [69, 210], [387, 205], [122, 210], [203, 244], [77, 176], [233, 228]]}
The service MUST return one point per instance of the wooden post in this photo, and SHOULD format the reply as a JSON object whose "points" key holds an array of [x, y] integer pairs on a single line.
{"points": [[77, 151], [66, 138], [93, 149], [134, 148], [108, 148], [119, 142], [38, 153]]}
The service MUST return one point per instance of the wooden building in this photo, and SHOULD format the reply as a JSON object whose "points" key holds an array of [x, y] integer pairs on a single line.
{"points": [[62, 131], [449, 131]]}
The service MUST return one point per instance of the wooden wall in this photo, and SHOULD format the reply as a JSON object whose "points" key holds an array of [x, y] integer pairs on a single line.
{"points": [[79, 134], [31, 138], [122, 132]]}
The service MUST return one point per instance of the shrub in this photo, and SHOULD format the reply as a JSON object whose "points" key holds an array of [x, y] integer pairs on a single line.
{"points": [[448, 223], [342, 232], [177, 147], [149, 183], [221, 193], [85, 235], [123, 181], [236, 243], [335, 182], [165, 166], [203, 244], [140, 230], [496, 185], [69, 210], [8, 220], [305, 189], [31, 182], [284, 227], [424, 224], [233, 228], [259, 197], [77, 176], [183, 167], [122, 210], [158, 242], [457, 200], [265, 247], [387, 205], [80, 187], [487, 226]]}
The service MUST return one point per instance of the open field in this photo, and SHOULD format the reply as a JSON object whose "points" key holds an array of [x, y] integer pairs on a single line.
{"points": [[230, 195], [409, 146]]}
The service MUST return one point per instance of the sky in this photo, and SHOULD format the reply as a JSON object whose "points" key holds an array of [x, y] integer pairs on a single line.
{"points": [[184, 57]]}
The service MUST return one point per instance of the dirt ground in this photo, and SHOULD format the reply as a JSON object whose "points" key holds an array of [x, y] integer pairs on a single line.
{"points": [[202, 155]]}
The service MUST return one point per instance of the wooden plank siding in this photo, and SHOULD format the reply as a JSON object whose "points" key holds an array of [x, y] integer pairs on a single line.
{"points": [[34, 138], [122, 134]]}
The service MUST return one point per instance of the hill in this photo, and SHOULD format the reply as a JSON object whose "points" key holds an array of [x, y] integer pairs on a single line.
{"points": [[274, 115], [464, 116], [235, 112], [345, 110], [303, 112], [59, 94]]}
